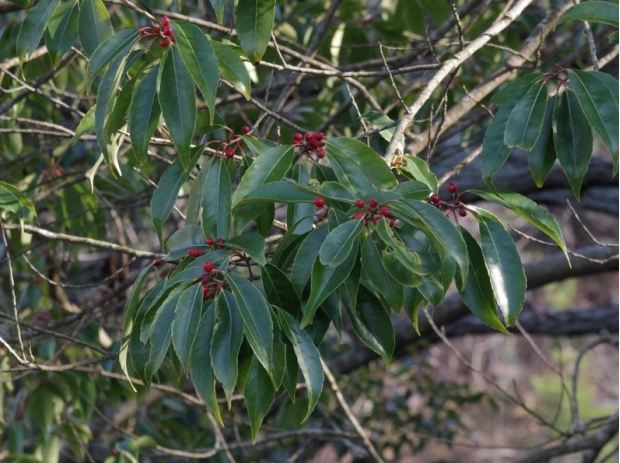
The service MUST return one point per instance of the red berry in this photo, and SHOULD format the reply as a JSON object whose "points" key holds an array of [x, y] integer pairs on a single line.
{"points": [[359, 215], [376, 219], [165, 21], [321, 144], [435, 198], [210, 241], [319, 202], [392, 222], [157, 261], [314, 143], [220, 241], [167, 31], [193, 252], [462, 212], [452, 187], [229, 153], [319, 136], [320, 154], [373, 202], [208, 266], [385, 212], [206, 293], [360, 203], [164, 43], [245, 129], [309, 136], [297, 136]]}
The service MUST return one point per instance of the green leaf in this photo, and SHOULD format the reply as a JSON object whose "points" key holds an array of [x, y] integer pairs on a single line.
{"points": [[131, 307], [269, 167], [144, 113], [86, 124], [325, 280], [161, 331], [167, 191], [308, 358], [592, 11], [177, 98], [397, 270], [280, 192], [503, 263], [185, 324], [300, 214], [195, 197], [62, 30], [409, 259], [412, 189], [306, 255], [32, 28], [120, 43], [600, 106], [259, 395], [358, 168], [200, 362], [339, 243], [372, 324], [380, 278], [572, 137], [199, 57], [527, 209], [226, 342], [117, 117], [526, 119], [256, 317], [377, 120], [232, 68], [253, 22], [519, 86], [419, 170], [252, 244], [95, 26], [279, 289], [13, 200], [185, 238], [613, 37], [478, 292], [217, 201], [218, 7], [542, 157]]}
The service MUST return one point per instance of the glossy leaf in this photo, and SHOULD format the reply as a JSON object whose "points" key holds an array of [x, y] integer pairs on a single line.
{"points": [[407, 258], [358, 168], [226, 342], [167, 191], [32, 28], [269, 167], [339, 243], [256, 317], [251, 244], [325, 280], [95, 26], [600, 106], [253, 22], [478, 292], [397, 270], [161, 331], [199, 57], [62, 31], [177, 98], [306, 255], [144, 113], [572, 138], [216, 201], [279, 192], [380, 278], [504, 266], [119, 43], [542, 156], [185, 324], [200, 362], [308, 358], [420, 171], [218, 7], [259, 395], [526, 119], [232, 68], [592, 11], [185, 238], [279, 289]]}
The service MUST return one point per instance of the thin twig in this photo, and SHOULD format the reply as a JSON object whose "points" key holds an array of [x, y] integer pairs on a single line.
{"points": [[5, 242]]}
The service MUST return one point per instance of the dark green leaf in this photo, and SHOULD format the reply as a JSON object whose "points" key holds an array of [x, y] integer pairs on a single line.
{"points": [[185, 324], [232, 68], [301, 214], [478, 292], [259, 395], [408, 258], [373, 267], [519, 86], [526, 119], [62, 30], [542, 157], [358, 168], [592, 11], [413, 189], [95, 26], [199, 57], [217, 201], [32, 28], [306, 255], [377, 120], [185, 238], [308, 358], [252, 244], [503, 263], [339, 243], [119, 43], [177, 98], [279, 289], [394, 267], [161, 331], [419, 170], [600, 106], [195, 197], [218, 7], [572, 138], [256, 317], [226, 342], [144, 113], [280, 192], [254, 21]]}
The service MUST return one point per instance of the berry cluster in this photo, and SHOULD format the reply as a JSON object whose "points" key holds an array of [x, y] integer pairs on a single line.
{"points": [[194, 252], [374, 212], [162, 30], [211, 286], [312, 142], [453, 205]]}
